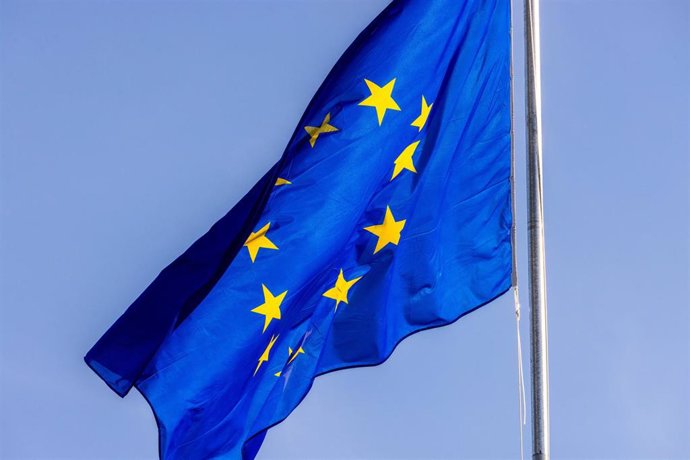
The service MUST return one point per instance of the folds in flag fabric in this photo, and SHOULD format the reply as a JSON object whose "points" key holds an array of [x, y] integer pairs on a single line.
{"points": [[388, 213]]}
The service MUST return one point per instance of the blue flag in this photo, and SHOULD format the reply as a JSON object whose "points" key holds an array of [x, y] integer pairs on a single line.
{"points": [[388, 213]]}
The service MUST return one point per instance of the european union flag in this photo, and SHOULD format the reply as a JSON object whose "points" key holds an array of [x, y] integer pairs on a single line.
{"points": [[388, 213]]}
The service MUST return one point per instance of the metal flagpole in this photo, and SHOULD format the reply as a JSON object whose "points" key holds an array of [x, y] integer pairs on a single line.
{"points": [[537, 267]]}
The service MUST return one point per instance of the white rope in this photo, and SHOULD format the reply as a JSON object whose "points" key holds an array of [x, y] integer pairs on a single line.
{"points": [[521, 377], [522, 404]]}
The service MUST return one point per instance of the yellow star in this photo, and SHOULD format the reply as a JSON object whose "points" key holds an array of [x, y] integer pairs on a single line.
{"points": [[315, 131], [292, 357], [341, 288], [388, 231], [281, 181], [404, 160], [381, 98], [271, 306], [299, 351], [264, 356], [258, 240], [420, 121]]}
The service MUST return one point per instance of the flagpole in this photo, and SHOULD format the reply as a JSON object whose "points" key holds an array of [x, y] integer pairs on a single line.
{"points": [[537, 266]]}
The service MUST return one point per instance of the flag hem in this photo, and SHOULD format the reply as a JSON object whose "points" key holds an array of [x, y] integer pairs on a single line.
{"points": [[352, 366], [107, 376]]}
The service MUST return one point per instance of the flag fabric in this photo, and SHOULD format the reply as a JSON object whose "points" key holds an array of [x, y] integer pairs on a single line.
{"points": [[388, 213]]}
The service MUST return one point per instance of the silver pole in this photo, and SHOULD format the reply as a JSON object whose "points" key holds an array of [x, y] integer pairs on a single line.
{"points": [[537, 267]]}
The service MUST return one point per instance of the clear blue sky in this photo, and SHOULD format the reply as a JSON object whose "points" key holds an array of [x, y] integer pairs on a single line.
{"points": [[128, 127]]}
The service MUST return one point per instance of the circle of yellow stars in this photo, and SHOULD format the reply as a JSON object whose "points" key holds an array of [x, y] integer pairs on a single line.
{"points": [[388, 232]]}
